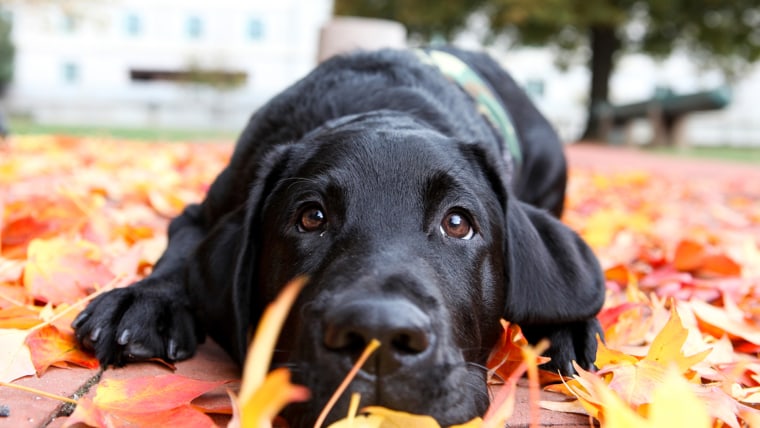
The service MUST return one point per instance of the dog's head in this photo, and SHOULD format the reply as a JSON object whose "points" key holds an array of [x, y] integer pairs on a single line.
{"points": [[409, 237]]}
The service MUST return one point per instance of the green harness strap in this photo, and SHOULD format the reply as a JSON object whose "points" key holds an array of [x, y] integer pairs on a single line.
{"points": [[488, 105]]}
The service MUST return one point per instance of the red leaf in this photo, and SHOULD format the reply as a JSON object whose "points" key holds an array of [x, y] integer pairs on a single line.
{"points": [[609, 316]]}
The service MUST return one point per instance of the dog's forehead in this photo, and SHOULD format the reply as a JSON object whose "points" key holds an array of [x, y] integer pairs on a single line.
{"points": [[386, 157]]}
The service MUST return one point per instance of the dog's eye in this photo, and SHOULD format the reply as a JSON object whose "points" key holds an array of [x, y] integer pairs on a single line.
{"points": [[311, 219], [456, 225]]}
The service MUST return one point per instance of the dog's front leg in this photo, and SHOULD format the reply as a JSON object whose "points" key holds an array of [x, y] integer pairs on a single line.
{"points": [[153, 317]]}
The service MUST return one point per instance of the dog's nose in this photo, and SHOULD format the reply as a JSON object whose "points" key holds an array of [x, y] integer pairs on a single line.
{"points": [[404, 332]]}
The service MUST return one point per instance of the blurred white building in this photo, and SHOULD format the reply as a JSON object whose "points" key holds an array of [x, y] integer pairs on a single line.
{"points": [[134, 62]]}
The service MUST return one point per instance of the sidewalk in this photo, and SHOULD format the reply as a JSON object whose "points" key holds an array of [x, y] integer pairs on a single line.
{"points": [[211, 363]]}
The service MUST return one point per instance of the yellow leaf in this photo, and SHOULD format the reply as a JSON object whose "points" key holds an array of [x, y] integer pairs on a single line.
{"points": [[666, 346], [475, 423], [393, 418], [606, 356], [359, 421], [674, 403], [262, 396], [267, 401], [261, 350]]}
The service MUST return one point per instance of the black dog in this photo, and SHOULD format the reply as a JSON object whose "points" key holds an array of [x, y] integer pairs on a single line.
{"points": [[378, 178]]}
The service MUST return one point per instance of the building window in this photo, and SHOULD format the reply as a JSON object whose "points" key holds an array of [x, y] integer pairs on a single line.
{"points": [[535, 88], [194, 27], [133, 24], [70, 72], [69, 23], [255, 29]]}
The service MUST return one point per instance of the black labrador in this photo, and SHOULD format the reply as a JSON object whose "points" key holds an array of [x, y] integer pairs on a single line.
{"points": [[379, 178]]}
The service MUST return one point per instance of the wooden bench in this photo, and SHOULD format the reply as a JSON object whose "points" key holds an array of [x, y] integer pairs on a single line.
{"points": [[665, 112]]}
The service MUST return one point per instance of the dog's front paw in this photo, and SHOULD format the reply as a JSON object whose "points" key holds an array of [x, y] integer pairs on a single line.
{"points": [[569, 342], [135, 323]]}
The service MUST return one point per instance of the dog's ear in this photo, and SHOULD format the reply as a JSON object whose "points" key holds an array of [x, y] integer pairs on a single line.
{"points": [[222, 278], [553, 276], [247, 303]]}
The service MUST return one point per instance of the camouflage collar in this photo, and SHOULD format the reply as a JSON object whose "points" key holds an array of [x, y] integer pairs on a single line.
{"points": [[488, 105]]}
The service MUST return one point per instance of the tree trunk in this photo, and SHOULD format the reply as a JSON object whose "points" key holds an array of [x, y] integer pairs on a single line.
{"points": [[604, 45]]}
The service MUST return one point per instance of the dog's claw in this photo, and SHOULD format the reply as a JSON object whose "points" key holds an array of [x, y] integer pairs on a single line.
{"points": [[80, 319], [136, 351], [171, 349], [124, 337], [95, 334]]}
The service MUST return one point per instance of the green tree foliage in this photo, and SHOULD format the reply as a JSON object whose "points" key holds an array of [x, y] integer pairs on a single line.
{"points": [[423, 18], [7, 51], [722, 34]]}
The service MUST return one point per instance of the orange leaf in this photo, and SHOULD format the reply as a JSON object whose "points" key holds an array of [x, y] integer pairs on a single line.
{"points": [[689, 256], [506, 356], [49, 346], [182, 416], [619, 274], [146, 401], [508, 353], [732, 322], [20, 317], [61, 270], [719, 265]]}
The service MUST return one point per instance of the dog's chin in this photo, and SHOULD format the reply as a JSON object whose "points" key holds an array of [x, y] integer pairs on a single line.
{"points": [[450, 394]]}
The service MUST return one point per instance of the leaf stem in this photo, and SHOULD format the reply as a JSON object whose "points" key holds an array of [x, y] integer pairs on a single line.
{"points": [[371, 347], [77, 304], [39, 392]]}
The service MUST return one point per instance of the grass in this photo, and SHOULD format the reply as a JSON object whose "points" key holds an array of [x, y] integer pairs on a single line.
{"points": [[726, 153], [20, 126]]}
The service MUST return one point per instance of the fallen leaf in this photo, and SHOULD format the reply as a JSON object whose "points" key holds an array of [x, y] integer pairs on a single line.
{"points": [[48, 346], [145, 401], [15, 358], [732, 323], [61, 270]]}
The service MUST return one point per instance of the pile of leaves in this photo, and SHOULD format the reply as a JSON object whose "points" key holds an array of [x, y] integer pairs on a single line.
{"points": [[681, 257]]}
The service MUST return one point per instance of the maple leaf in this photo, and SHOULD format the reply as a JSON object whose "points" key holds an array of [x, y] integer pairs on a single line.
{"points": [[15, 358], [666, 348], [144, 401], [63, 270], [49, 346]]}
